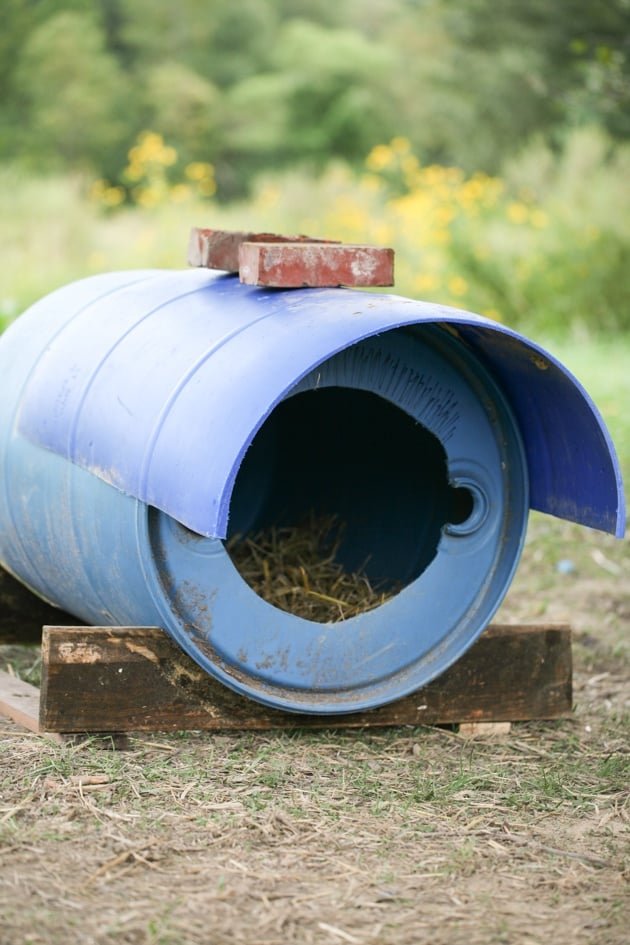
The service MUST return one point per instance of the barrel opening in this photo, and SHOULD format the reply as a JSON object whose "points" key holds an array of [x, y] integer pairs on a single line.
{"points": [[355, 465], [461, 505]]}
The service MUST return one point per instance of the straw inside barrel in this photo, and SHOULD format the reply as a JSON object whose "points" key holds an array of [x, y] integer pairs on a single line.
{"points": [[295, 568]]}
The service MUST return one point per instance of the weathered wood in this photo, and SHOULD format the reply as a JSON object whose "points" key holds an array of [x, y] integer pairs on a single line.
{"points": [[23, 614], [19, 701], [483, 729], [97, 679]]}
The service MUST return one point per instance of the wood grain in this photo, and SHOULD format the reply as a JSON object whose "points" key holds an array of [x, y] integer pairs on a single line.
{"points": [[19, 701], [104, 679]]}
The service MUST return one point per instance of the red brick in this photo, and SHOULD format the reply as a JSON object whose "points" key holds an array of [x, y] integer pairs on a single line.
{"points": [[297, 265], [218, 249]]}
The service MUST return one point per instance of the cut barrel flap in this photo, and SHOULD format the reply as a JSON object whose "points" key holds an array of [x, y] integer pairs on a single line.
{"points": [[121, 389]]}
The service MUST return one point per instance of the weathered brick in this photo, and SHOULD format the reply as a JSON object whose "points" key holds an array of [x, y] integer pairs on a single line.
{"points": [[218, 249], [296, 265]]}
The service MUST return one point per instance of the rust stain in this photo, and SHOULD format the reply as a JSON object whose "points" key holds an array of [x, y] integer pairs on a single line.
{"points": [[541, 363]]}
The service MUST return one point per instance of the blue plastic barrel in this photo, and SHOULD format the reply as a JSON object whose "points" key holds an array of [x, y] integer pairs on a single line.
{"points": [[147, 416]]}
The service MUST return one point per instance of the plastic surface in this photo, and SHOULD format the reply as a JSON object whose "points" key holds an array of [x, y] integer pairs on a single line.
{"points": [[213, 407], [189, 334]]}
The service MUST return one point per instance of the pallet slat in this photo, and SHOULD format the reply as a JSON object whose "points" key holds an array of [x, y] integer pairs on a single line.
{"points": [[103, 679], [19, 701]]}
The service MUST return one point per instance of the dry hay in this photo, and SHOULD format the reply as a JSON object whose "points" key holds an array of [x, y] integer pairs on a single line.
{"points": [[295, 568], [373, 838]]}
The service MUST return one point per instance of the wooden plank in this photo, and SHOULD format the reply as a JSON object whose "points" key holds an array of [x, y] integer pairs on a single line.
{"points": [[103, 679], [23, 614], [19, 701], [484, 729]]}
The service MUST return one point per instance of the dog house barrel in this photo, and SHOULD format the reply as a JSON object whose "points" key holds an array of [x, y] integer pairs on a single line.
{"points": [[148, 416]]}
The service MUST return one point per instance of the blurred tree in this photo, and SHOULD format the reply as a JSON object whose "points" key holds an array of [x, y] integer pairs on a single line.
{"points": [[245, 34], [19, 19], [603, 96], [185, 108], [255, 84], [337, 90], [157, 30], [325, 95], [525, 68], [75, 98], [224, 41]]}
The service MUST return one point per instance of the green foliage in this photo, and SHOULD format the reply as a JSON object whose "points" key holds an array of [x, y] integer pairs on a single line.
{"points": [[253, 85], [47, 231], [536, 67], [534, 248], [186, 107], [500, 188], [602, 367], [566, 261], [336, 89], [74, 93]]}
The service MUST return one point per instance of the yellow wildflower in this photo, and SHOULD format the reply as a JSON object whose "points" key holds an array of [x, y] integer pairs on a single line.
{"points": [[372, 183], [135, 170], [425, 282], [400, 145], [179, 193], [517, 212], [379, 158], [207, 187], [410, 164], [457, 286], [167, 156], [441, 237], [146, 196], [150, 144], [113, 196], [97, 189], [539, 219], [444, 215], [199, 170]]}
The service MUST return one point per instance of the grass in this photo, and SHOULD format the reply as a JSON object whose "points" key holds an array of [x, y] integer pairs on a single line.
{"points": [[601, 364], [379, 835]]}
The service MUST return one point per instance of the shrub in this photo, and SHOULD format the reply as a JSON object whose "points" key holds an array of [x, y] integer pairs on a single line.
{"points": [[546, 246]]}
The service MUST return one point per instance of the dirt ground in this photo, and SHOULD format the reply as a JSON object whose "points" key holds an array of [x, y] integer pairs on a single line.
{"points": [[403, 836]]}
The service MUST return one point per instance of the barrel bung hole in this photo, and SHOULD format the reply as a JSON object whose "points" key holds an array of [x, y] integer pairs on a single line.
{"points": [[340, 503]]}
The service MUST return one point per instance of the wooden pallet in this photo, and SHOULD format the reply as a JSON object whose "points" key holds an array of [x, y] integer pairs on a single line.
{"points": [[122, 679]]}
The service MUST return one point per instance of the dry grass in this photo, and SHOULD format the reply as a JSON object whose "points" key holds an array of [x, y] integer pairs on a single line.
{"points": [[395, 837], [295, 568]]}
